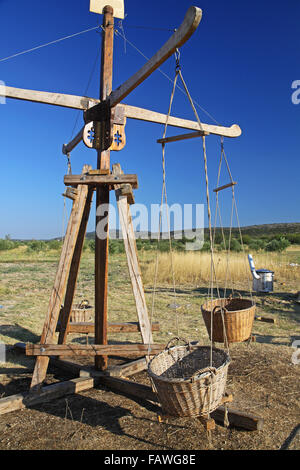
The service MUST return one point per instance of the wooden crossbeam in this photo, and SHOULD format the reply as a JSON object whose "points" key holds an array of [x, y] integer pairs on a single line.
{"points": [[229, 185], [56, 99], [177, 138], [46, 350], [183, 33], [95, 180], [89, 327]]}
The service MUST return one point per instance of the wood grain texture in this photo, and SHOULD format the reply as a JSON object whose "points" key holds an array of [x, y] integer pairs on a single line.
{"points": [[124, 350], [183, 33], [59, 288]]}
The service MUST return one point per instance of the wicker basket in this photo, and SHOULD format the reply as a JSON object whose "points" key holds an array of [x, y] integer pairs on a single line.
{"points": [[81, 313], [238, 314], [184, 382]]}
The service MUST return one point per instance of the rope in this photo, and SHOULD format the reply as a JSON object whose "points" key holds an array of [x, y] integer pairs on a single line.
{"points": [[164, 194], [48, 44], [118, 34]]}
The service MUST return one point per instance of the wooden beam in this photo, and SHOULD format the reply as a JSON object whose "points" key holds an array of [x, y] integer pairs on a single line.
{"points": [[239, 419], [183, 33], [177, 138], [67, 148], [55, 99], [50, 392], [265, 319], [133, 262], [60, 283], [66, 310], [46, 350], [229, 185], [88, 327], [127, 387], [96, 180]]}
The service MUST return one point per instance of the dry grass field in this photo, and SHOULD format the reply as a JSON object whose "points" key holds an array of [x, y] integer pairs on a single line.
{"points": [[261, 376]]}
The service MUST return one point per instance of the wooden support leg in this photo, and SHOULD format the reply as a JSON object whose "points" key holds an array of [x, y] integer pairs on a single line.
{"points": [[71, 286], [101, 276], [133, 263], [59, 287]]}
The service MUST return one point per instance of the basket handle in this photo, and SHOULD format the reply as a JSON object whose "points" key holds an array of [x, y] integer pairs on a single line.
{"points": [[176, 338], [218, 307], [212, 370]]}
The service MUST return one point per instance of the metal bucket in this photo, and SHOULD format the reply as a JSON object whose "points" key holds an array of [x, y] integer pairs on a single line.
{"points": [[265, 281]]}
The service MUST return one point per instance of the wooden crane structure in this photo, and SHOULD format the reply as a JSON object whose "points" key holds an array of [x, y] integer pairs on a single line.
{"points": [[104, 130]]}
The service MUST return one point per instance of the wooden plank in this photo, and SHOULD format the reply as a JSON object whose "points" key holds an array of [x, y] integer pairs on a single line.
{"points": [[59, 288], [71, 193], [45, 350], [96, 180], [67, 148], [177, 138], [133, 262], [102, 194], [66, 310], [229, 185], [130, 368], [127, 387], [50, 392], [126, 190], [88, 327], [133, 112], [183, 33], [56, 99], [239, 419], [265, 319]]}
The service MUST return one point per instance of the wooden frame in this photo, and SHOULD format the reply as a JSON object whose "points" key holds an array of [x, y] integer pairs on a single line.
{"points": [[81, 194]]}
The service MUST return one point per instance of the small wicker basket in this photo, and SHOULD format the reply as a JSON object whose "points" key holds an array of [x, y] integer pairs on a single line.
{"points": [[238, 314], [82, 312], [185, 383]]}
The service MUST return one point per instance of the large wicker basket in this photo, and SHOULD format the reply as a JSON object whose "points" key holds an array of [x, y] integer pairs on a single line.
{"points": [[184, 382], [238, 315]]}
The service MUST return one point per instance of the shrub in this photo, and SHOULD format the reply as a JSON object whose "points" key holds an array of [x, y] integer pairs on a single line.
{"points": [[277, 245], [6, 244]]}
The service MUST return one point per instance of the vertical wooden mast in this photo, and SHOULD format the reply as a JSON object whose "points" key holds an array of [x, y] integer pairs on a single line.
{"points": [[102, 194]]}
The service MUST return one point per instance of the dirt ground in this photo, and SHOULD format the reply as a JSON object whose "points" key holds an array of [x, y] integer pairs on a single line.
{"points": [[262, 379]]}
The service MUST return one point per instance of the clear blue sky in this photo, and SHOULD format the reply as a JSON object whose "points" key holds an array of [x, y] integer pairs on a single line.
{"points": [[239, 65]]}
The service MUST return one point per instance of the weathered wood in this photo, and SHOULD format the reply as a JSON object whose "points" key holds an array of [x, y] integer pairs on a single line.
{"points": [[59, 288], [130, 368], [98, 180], [66, 310], [265, 319], [126, 190], [67, 148], [89, 327], [133, 112], [46, 350], [71, 193], [182, 34], [133, 262], [56, 99], [229, 185], [50, 392], [102, 194], [239, 419], [177, 138], [97, 6], [127, 387]]}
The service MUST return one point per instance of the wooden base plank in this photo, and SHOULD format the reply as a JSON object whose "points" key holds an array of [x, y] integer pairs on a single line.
{"points": [[46, 350], [50, 392], [89, 327]]}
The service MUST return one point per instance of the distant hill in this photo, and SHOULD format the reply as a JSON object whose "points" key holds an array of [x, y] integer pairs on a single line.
{"points": [[255, 231]]}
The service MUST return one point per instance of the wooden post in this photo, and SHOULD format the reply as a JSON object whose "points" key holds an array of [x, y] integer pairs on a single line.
{"points": [[102, 195], [59, 288]]}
